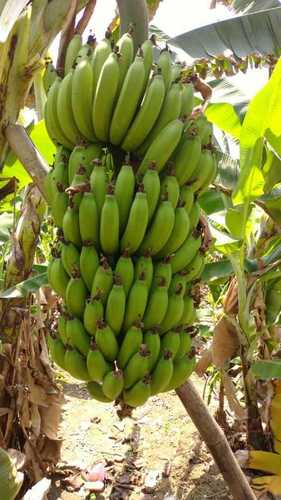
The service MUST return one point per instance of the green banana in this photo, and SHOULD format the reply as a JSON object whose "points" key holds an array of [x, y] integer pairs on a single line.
{"points": [[89, 263], [183, 368], [176, 72], [136, 302], [185, 345], [96, 392], [170, 189], [174, 311], [147, 52], [187, 197], [64, 109], [77, 335], [51, 117], [162, 373], [76, 364], [156, 307], [186, 253], [124, 193], [194, 216], [165, 63], [72, 50], [170, 111], [59, 206], [116, 305], [105, 96], [62, 328], [186, 158], [171, 342], [137, 367], [57, 351], [80, 185], [48, 187], [100, 55], [89, 219], [125, 269], [109, 223], [82, 98], [162, 273], [187, 99], [179, 233], [70, 257], [49, 76], [163, 146], [178, 282], [139, 393], [129, 98], [86, 52], [75, 295], [137, 223], [130, 345], [125, 46], [204, 171], [96, 364], [147, 114], [151, 184], [188, 311], [160, 229], [83, 155], [106, 341], [98, 182], [194, 269], [93, 312], [205, 129], [70, 226], [113, 384], [144, 266], [102, 281], [58, 278], [153, 344]]}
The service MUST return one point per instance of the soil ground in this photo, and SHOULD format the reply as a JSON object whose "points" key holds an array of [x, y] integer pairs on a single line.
{"points": [[157, 454]]}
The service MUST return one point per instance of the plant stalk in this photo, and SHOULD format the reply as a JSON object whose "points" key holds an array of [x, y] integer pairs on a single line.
{"points": [[216, 441], [135, 13]]}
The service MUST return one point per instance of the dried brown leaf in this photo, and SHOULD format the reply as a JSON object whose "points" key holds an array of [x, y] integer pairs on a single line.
{"points": [[51, 415], [35, 420], [204, 362], [230, 392], [225, 342]]}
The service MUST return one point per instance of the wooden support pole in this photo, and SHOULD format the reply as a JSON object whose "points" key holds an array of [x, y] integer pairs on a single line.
{"points": [[28, 155], [216, 441]]}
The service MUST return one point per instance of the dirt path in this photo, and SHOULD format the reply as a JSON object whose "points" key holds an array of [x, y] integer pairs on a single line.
{"points": [[157, 454]]}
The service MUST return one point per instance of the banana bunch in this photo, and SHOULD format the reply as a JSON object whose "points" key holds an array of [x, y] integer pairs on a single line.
{"points": [[132, 160]]}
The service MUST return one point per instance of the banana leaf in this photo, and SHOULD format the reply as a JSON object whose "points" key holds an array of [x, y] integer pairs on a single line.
{"points": [[257, 32], [253, 5]]}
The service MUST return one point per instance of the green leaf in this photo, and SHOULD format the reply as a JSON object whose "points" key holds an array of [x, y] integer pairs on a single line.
{"points": [[238, 34], [217, 270], [225, 117], [251, 181], [263, 113], [233, 219], [22, 289], [223, 242], [271, 171], [267, 370], [211, 201]]}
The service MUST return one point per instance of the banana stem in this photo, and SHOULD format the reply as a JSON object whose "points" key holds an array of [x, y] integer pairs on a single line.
{"points": [[28, 155], [134, 13], [216, 442]]}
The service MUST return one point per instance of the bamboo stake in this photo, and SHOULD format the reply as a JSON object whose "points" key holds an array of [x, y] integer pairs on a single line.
{"points": [[216, 441]]}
